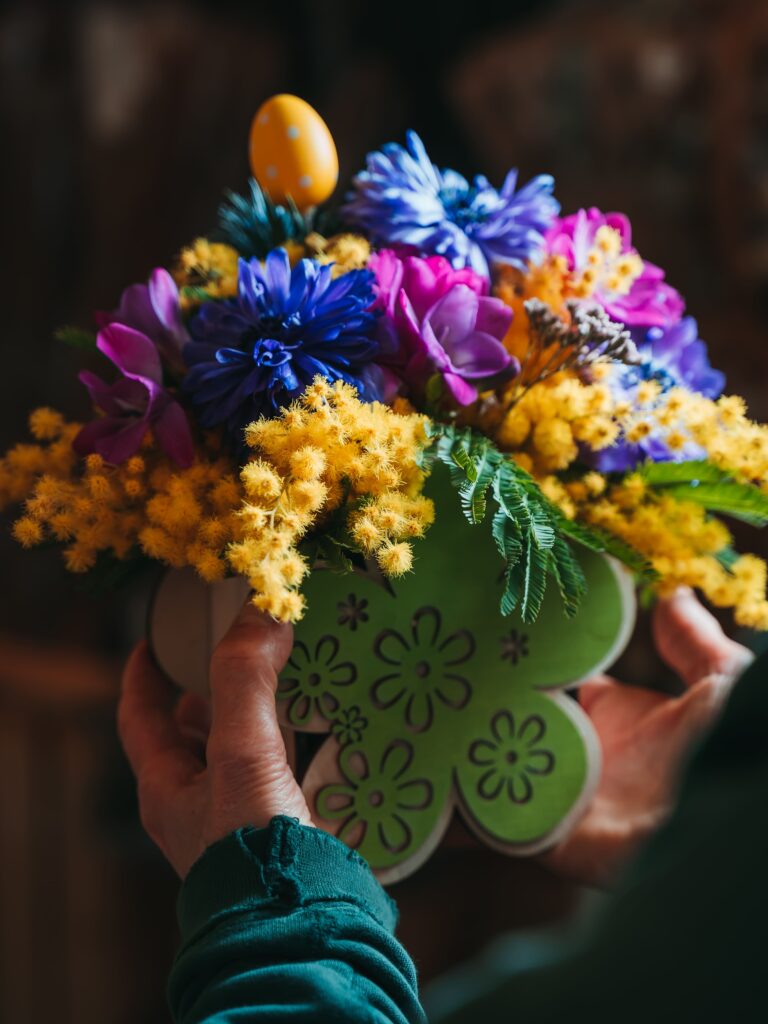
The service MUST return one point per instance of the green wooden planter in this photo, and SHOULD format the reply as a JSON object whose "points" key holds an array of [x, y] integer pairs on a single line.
{"points": [[431, 700]]}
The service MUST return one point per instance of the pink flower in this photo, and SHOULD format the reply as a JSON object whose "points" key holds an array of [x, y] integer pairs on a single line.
{"points": [[438, 320], [605, 267], [135, 403], [153, 308]]}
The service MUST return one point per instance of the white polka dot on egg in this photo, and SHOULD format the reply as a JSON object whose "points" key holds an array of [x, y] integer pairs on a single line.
{"points": [[271, 171], [305, 181], [293, 132]]}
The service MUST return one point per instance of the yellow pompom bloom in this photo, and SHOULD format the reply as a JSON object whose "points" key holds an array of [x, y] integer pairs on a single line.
{"points": [[347, 251], [261, 482], [210, 566], [293, 569], [514, 429], [79, 559], [207, 266], [27, 531], [306, 495], [553, 444], [289, 607], [307, 463], [46, 424], [366, 533], [395, 559]]}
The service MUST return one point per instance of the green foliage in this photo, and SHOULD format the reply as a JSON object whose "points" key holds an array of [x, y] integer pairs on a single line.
{"points": [[531, 533], [706, 484], [604, 543], [195, 293], [657, 474], [739, 501], [727, 557], [253, 224], [565, 568], [76, 337]]}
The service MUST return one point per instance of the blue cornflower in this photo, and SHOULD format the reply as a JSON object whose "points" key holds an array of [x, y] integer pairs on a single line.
{"points": [[401, 198], [258, 351]]}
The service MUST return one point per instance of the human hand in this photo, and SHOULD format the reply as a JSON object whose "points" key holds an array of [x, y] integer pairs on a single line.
{"points": [[207, 767], [645, 736]]}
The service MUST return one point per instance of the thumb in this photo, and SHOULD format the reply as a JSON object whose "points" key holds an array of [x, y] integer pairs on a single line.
{"points": [[690, 640], [250, 778], [243, 678]]}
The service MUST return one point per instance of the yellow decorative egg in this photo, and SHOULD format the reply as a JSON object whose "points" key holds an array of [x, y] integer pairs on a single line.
{"points": [[292, 152]]}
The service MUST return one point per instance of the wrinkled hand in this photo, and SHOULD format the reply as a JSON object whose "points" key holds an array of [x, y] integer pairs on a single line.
{"points": [[205, 768], [645, 737]]}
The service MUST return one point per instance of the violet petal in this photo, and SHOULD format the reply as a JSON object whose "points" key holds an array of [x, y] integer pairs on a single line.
{"points": [[172, 431], [131, 351]]}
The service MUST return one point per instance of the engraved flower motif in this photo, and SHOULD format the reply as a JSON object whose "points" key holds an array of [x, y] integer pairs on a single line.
{"points": [[383, 799], [423, 669], [512, 757], [349, 725], [514, 646], [352, 612], [310, 679]]}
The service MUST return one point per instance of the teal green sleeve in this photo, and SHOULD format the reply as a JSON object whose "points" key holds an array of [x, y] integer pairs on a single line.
{"points": [[287, 924]]}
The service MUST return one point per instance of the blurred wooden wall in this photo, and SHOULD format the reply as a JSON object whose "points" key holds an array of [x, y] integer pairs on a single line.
{"points": [[86, 905]]}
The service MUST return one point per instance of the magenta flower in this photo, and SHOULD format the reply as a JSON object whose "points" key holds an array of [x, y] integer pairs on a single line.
{"points": [[154, 310], [134, 404], [440, 321], [605, 267]]}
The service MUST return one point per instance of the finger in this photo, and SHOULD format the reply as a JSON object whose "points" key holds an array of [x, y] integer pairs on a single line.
{"points": [[243, 678], [613, 706], [145, 716], [592, 690], [690, 640], [192, 715]]}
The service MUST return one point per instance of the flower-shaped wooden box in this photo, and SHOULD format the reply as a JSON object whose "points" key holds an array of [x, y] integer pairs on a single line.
{"points": [[432, 702]]}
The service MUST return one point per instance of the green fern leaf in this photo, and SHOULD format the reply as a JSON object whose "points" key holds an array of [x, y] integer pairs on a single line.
{"points": [[595, 539], [509, 544], [729, 498], [532, 569], [480, 475], [569, 576], [661, 474]]}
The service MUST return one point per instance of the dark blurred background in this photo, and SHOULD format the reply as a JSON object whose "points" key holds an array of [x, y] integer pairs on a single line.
{"points": [[120, 125]]}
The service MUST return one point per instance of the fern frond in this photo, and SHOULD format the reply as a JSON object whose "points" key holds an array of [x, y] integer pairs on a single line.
{"points": [[660, 474], [568, 573], [480, 476], [739, 501]]}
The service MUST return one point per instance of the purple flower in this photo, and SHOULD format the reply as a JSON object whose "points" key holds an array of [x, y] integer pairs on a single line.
{"points": [[440, 321], [133, 404], [401, 198], [153, 309], [673, 357], [604, 267], [679, 352]]}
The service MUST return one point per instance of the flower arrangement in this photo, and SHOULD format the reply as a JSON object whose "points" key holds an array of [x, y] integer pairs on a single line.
{"points": [[280, 395]]}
